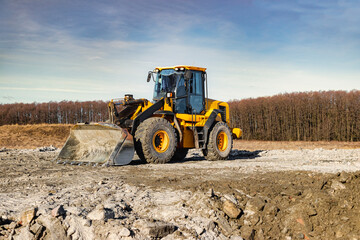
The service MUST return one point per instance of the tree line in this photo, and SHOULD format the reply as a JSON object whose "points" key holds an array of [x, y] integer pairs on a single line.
{"points": [[306, 116], [65, 112]]}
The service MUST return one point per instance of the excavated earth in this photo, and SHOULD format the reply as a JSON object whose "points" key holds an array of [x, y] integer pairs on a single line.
{"points": [[257, 194]]}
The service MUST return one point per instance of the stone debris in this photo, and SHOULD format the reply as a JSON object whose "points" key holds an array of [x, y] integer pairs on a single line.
{"points": [[27, 215], [218, 203], [36, 229], [58, 211], [24, 234], [101, 213], [336, 185], [231, 209], [124, 232], [46, 149], [154, 229]]}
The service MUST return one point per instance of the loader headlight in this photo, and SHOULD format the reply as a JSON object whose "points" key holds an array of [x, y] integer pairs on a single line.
{"points": [[176, 69], [182, 69]]}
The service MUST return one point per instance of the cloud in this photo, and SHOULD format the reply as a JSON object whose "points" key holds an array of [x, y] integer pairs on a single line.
{"points": [[8, 98]]}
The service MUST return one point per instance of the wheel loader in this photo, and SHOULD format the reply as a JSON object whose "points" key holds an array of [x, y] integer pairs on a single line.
{"points": [[180, 117]]}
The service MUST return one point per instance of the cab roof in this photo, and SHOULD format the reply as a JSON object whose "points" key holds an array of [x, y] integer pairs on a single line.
{"points": [[183, 66]]}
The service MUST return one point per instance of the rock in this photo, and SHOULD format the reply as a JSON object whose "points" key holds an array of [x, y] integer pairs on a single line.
{"points": [[211, 226], [345, 177], [12, 225], [74, 210], [27, 215], [336, 185], [24, 234], [255, 204], [58, 211], [251, 212], [271, 210], [248, 232], [297, 219], [78, 228], [236, 238], [101, 213], [199, 230], [47, 149], [101, 182], [124, 206], [231, 209], [113, 236], [124, 232], [87, 223], [53, 225], [224, 225], [231, 198], [157, 229], [36, 229]]}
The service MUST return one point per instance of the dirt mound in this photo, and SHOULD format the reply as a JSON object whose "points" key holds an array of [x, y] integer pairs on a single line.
{"points": [[33, 136]]}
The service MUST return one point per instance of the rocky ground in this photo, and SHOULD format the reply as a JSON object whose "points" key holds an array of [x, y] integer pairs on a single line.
{"points": [[273, 194]]}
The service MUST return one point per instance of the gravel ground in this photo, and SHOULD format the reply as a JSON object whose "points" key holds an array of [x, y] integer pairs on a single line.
{"points": [[262, 194]]}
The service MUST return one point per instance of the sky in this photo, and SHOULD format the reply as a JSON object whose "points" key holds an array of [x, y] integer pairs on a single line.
{"points": [[79, 50]]}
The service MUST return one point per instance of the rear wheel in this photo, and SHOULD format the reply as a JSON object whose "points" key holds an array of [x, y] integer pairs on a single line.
{"points": [[158, 140], [220, 142]]}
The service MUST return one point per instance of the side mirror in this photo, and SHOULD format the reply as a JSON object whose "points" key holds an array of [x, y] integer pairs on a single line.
{"points": [[149, 77], [188, 75]]}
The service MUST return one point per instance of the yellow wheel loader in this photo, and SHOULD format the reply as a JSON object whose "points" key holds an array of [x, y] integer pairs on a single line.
{"points": [[180, 117]]}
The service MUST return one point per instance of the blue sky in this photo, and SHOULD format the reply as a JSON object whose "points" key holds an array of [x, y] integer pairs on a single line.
{"points": [[58, 50]]}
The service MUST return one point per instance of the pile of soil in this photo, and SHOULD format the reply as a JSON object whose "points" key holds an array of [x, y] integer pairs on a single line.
{"points": [[33, 136]]}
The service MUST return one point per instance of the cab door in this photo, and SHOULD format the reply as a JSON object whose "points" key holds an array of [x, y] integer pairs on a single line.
{"points": [[190, 94], [196, 93]]}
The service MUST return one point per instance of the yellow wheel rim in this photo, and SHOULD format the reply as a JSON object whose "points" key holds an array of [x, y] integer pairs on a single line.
{"points": [[222, 141], [160, 141]]}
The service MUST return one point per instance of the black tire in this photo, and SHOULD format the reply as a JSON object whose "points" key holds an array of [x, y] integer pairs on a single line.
{"points": [[179, 154], [220, 143], [158, 140], [137, 143]]}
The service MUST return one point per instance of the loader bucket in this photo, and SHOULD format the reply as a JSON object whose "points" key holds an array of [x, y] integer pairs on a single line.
{"points": [[97, 143]]}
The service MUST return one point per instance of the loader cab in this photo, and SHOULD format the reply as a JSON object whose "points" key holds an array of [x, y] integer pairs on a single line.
{"points": [[187, 84]]}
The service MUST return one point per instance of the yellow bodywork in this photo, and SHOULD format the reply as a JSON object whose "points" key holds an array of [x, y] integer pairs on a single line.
{"points": [[187, 121], [182, 66]]}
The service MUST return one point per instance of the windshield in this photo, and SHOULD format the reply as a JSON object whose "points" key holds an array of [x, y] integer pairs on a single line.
{"points": [[166, 82]]}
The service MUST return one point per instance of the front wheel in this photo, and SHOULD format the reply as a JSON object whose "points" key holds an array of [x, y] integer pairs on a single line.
{"points": [[158, 140], [220, 143]]}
